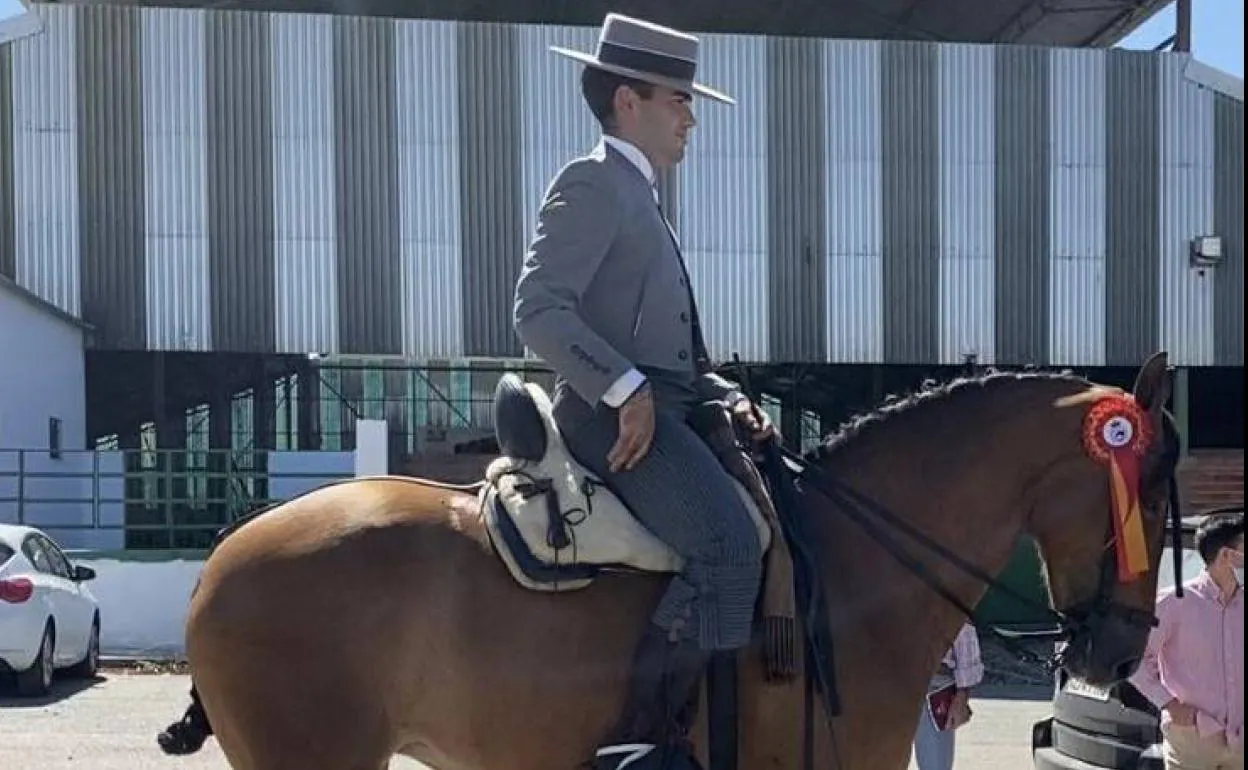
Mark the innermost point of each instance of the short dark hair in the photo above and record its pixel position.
(1218, 531)
(599, 87)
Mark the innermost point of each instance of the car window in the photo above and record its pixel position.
(38, 557)
(60, 564)
(6, 553)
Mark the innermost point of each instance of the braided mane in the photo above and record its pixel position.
(931, 392)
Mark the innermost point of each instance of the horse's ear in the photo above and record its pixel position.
(1153, 383)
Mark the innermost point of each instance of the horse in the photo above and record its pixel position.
(374, 617)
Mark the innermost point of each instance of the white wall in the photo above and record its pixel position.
(143, 605)
(42, 375)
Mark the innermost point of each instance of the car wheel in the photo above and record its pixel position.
(36, 681)
(89, 666)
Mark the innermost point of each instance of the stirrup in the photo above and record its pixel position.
(635, 751)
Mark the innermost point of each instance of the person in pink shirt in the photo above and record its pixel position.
(1193, 667)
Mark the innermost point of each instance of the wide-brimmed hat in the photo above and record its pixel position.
(648, 52)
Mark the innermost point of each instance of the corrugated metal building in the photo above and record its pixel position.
(233, 181)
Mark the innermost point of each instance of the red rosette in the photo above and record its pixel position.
(1117, 433)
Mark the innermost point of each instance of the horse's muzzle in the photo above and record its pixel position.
(1105, 651)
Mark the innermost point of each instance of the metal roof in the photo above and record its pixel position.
(1075, 23)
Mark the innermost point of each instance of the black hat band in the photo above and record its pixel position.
(645, 61)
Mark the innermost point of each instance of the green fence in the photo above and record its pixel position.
(153, 498)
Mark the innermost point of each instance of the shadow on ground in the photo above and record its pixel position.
(1014, 692)
(62, 689)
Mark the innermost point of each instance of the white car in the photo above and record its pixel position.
(49, 620)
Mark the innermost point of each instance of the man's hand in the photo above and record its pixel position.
(636, 430)
(1181, 714)
(755, 420)
(960, 710)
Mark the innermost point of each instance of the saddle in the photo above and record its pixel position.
(557, 526)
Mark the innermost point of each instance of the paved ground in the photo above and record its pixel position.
(110, 725)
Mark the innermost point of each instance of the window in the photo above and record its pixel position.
(54, 438)
(60, 564)
(38, 557)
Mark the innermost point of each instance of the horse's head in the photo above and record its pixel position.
(1100, 550)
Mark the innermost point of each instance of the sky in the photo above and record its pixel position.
(1217, 33)
(14, 21)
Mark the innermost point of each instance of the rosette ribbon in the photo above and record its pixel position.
(1116, 433)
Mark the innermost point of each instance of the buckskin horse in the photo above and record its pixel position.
(397, 616)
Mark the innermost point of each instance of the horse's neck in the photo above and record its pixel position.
(967, 492)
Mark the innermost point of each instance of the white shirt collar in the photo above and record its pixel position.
(630, 151)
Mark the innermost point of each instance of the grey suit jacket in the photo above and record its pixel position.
(604, 288)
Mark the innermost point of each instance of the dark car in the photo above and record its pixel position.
(1114, 728)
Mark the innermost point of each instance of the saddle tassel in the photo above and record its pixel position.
(779, 610)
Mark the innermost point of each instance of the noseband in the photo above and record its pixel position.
(1087, 616)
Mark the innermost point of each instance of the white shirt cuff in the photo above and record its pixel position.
(619, 392)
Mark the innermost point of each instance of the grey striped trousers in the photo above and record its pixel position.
(683, 494)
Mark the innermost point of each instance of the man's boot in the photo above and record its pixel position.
(647, 736)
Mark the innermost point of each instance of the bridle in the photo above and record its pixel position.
(1070, 622)
(873, 517)
(787, 472)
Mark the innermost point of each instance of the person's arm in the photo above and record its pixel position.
(575, 227)
(1147, 677)
(968, 671)
(968, 668)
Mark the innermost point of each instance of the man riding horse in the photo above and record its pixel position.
(605, 299)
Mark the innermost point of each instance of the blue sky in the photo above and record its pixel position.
(1217, 33)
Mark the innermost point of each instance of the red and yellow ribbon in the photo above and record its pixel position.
(1117, 432)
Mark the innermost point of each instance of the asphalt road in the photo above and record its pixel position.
(110, 724)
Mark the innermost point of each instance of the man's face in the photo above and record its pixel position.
(659, 125)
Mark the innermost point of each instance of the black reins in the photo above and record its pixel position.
(786, 471)
(868, 514)
(1070, 621)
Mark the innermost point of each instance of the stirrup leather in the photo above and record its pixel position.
(636, 752)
